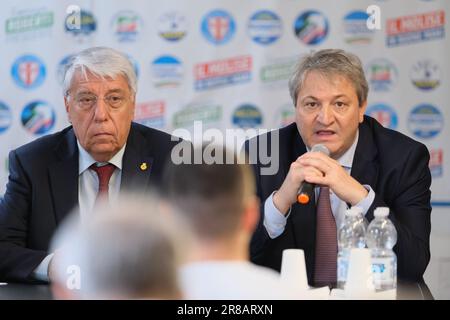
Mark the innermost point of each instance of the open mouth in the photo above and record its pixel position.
(325, 133)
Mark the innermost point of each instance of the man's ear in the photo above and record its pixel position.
(362, 111)
(67, 106)
(251, 215)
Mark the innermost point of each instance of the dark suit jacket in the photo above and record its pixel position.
(43, 188)
(395, 166)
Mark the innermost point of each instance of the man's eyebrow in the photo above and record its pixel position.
(309, 97)
(118, 90)
(340, 96)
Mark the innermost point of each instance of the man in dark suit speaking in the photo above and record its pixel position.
(101, 154)
(369, 166)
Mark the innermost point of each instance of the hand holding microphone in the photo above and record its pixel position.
(306, 190)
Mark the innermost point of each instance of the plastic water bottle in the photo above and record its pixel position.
(351, 235)
(381, 237)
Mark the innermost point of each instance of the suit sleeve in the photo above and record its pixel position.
(410, 212)
(16, 261)
(260, 238)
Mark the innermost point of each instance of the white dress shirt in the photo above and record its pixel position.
(275, 221)
(87, 193)
(235, 280)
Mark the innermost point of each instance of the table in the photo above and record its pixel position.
(16, 291)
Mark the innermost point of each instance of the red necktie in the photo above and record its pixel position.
(104, 173)
(326, 242)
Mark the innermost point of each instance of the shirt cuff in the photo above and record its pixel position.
(365, 203)
(41, 272)
(274, 220)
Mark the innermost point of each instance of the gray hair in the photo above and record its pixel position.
(330, 62)
(126, 251)
(103, 62)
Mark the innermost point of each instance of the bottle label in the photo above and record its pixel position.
(342, 268)
(383, 271)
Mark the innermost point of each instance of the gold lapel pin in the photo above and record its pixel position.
(143, 166)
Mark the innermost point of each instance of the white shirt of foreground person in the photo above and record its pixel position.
(87, 193)
(231, 280)
(275, 221)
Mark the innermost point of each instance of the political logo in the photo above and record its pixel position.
(265, 27)
(311, 27)
(247, 116)
(167, 71)
(5, 117)
(126, 26)
(28, 71)
(425, 75)
(381, 74)
(384, 114)
(218, 27)
(172, 26)
(355, 28)
(425, 121)
(38, 117)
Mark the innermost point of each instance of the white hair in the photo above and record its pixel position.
(103, 62)
(126, 251)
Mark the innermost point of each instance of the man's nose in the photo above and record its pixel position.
(100, 110)
(326, 115)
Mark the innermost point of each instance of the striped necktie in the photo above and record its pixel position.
(325, 267)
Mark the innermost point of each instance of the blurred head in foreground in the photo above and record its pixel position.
(217, 200)
(128, 251)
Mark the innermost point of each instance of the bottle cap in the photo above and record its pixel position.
(382, 212)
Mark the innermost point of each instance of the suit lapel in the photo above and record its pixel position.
(63, 176)
(365, 167)
(137, 163)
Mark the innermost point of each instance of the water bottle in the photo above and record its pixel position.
(381, 237)
(351, 235)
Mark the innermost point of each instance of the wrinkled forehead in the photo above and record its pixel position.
(323, 78)
(84, 78)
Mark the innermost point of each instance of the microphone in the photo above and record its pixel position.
(306, 190)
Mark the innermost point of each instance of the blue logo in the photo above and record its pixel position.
(425, 121)
(28, 71)
(425, 75)
(381, 74)
(61, 69)
(247, 116)
(167, 71)
(355, 28)
(126, 26)
(311, 27)
(218, 27)
(265, 27)
(172, 26)
(5, 117)
(384, 114)
(38, 117)
(80, 26)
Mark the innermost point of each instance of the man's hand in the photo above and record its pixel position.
(287, 194)
(334, 176)
(318, 168)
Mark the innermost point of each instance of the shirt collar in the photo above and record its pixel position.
(346, 159)
(86, 160)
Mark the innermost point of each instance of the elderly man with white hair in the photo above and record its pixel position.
(100, 155)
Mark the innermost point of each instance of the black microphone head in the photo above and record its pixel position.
(320, 148)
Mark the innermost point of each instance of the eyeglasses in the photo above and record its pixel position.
(88, 101)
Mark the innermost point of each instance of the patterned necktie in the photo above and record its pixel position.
(104, 173)
(326, 242)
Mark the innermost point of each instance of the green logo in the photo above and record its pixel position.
(29, 22)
